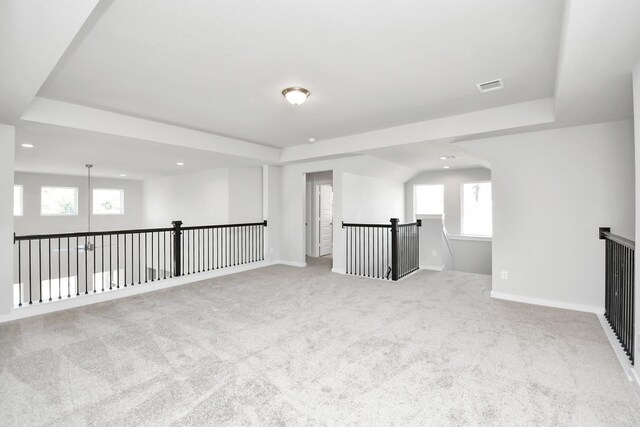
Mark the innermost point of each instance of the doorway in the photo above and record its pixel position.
(319, 214)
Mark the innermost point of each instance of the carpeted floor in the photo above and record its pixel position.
(292, 346)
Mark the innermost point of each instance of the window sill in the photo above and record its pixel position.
(470, 238)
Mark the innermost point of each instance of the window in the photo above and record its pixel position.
(17, 200)
(108, 201)
(476, 209)
(429, 199)
(59, 201)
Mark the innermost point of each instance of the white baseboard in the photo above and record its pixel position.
(617, 349)
(291, 263)
(547, 303)
(91, 298)
(432, 267)
(339, 271)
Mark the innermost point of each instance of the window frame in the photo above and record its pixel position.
(462, 233)
(21, 187)
(120, 190)
(77, 206)
(415, 198)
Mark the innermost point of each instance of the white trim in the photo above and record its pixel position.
(617, 349)
(547, 303)
(470, 237)
(432, 267)
(291, 263)
(91, 298)
(339, 271)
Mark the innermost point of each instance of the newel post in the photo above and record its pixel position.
(394, 248)
(177, 256)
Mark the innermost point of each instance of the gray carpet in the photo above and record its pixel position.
(290, 346)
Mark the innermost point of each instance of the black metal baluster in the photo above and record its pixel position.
(77, 266)
(86, 267)
(124, 246)
(164, 253)
(146, 259)
(158, 269)
(68, 267)
(50, 299)
(95, 249)
(153, 272)
(19, 275)
(102, 256)
(182, 253)
(40, 266)
(30, 282)
(59, 270)
(110, 262)
(171, 255)
(133, 261)
(117, 261)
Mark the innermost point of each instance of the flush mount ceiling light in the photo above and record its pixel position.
(295, 95)
(446, 167)
(27, 145)
(447, 157)
(312, 140)
(123, 175)
(180, 164)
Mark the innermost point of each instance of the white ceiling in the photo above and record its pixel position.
(61, 150)
(426, 156)
(220, 66)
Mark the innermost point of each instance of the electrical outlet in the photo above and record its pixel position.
(504, 275)
(434, 253)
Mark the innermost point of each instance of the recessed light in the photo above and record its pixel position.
(180, 164)
(27, 145)
(296, 95)
(446, 167)
(312, 140)
(447, 157)
(123, 175)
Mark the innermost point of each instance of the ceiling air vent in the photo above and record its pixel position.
(489, 86)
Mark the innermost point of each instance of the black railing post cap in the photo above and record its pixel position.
(176, 223)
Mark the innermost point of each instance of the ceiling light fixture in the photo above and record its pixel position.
(447, 157)
(295, 95)
(123, 175)
(312, 140)
(27, 145)
(180, 164)
(446, 167)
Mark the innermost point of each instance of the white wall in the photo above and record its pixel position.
(367, 199)
(31, 222)
(216, 196)
(272, 210)
(551, 191)
(7, 147)
(245, 195)
(636, 115)
(471, 255)
(195, 199)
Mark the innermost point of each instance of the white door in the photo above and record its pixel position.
(325, 219)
